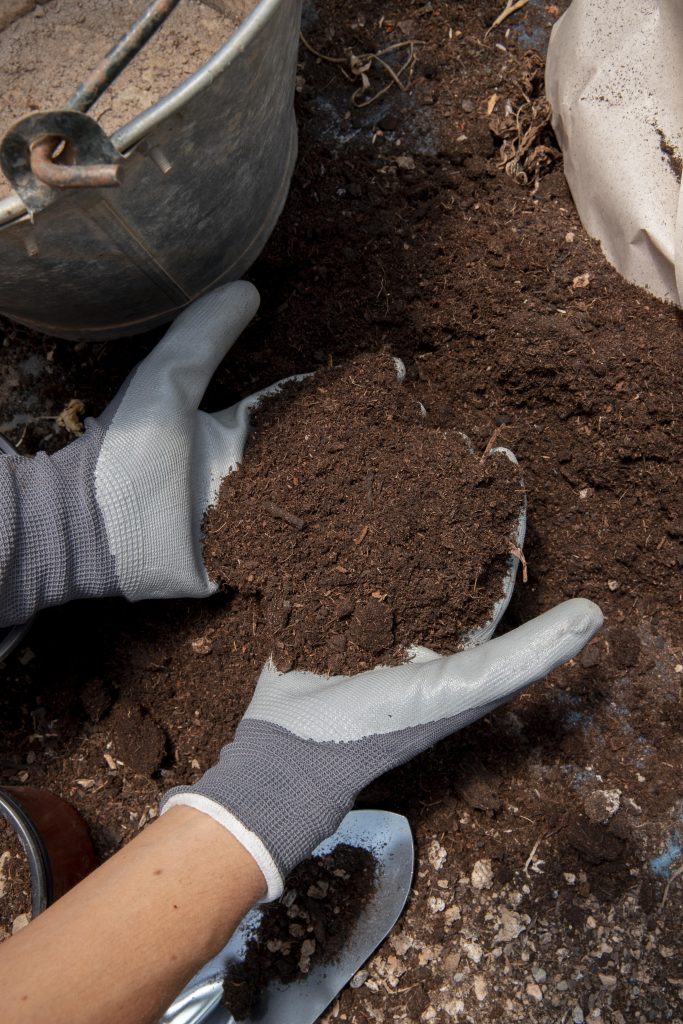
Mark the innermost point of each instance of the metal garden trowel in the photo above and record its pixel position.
(388, 837)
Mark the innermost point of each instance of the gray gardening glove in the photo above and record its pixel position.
(119, 511)
(308, 744)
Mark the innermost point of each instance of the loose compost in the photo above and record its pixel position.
(351, 521)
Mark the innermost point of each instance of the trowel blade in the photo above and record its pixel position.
(388, 837)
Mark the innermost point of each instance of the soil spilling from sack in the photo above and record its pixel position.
(15, 883)
(360, 526)
(53, 44)
(310, 924)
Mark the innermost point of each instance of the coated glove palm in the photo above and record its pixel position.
(308, 744)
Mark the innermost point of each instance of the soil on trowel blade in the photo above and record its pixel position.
(360, 526)
(49, 46)
(15, 882)
(311, 924)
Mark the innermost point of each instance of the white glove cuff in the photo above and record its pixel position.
(251, 842)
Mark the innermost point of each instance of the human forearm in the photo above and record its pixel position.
(120, 946)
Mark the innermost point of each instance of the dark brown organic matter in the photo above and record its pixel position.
(360, 525)
(310, 924)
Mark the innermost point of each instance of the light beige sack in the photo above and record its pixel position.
(614, 77)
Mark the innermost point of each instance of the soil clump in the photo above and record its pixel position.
(309, 925)
(71, 36)
(15, 882)
(351, 520)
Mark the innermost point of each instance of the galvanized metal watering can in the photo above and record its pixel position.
(181, 199)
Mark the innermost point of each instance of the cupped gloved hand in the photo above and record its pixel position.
(119, 511)
(308, 744)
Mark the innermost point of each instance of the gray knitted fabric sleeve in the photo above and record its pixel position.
(293, 793)
(53, 545)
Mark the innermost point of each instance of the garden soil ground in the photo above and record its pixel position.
(548, 835)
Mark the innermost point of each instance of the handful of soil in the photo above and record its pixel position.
(15, 882)
(361, 527)
(310, 924)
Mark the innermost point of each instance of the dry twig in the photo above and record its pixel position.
(518, 553)
(287, 517)
(677, 873)
(511, 8)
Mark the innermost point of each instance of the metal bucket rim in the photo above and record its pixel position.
(12, 208)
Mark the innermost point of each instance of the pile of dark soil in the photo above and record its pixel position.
(546, 833)
(352, 519)
(15, 881)
(309, 925)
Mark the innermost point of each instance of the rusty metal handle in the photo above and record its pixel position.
(121, 54)
(58, 175)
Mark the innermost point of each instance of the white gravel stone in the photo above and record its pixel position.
(482, 875)
(19, 922)
(472, 950)
(480, 987)
(437, 855)
(511, 925)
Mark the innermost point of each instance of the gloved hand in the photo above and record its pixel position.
(308, 744)
(119, 511)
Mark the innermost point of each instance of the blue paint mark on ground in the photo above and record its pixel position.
(661, 866)
(532, 29)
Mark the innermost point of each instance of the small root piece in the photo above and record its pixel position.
(491, 443)
(511, 8)
(357, 68)
(518, 553)
(362, 534)
(677, 873)
(287, 517)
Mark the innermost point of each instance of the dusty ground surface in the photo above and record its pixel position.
(350, 520)
(548, 835)
(71, 36)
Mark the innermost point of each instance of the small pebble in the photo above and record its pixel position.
(482, 875)
(480, 988)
